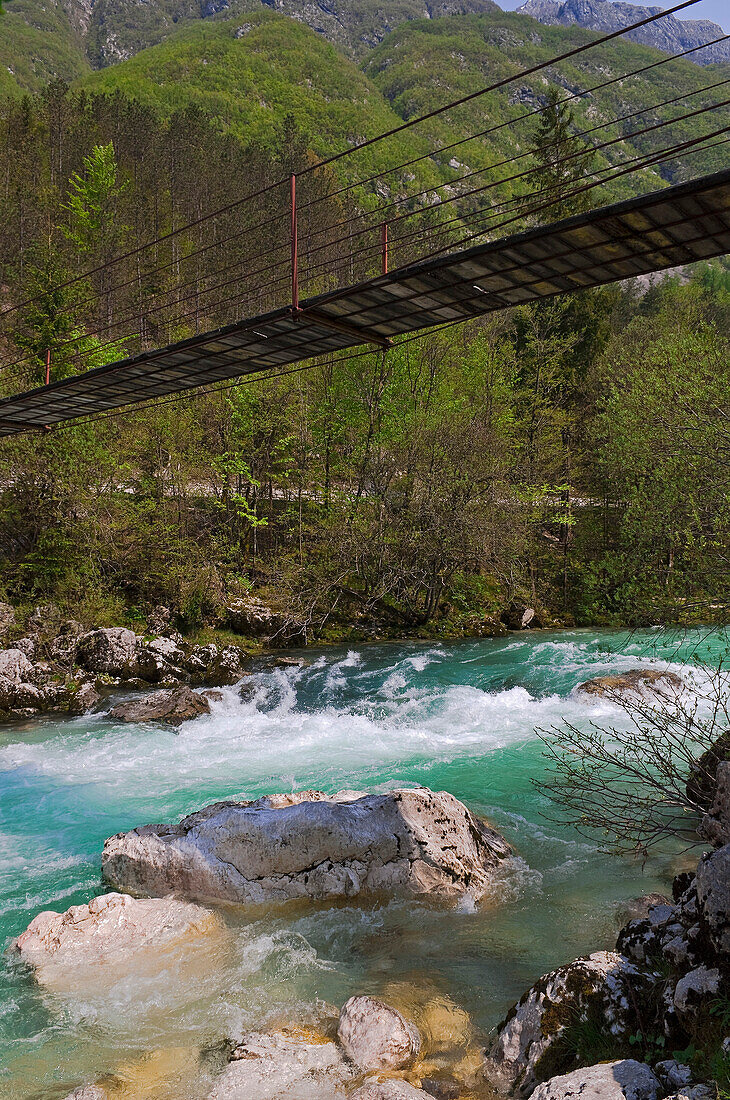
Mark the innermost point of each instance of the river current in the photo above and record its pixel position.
(458, 717)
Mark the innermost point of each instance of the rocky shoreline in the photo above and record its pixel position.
(54, 665)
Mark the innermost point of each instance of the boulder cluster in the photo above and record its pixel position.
(61, 666)
(663, 996)
(410, 842)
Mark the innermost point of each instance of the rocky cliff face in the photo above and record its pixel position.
(669, 34)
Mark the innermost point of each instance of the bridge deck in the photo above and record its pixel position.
(678, 225)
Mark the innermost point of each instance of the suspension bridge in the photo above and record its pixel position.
(451, 283)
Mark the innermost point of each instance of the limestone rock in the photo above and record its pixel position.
(518, 616)
(59, 945)
(713, 896)
(638, 681)
(159, 659)
(625, 1080)
(16, 666)
(715, 825)
(291, 1063)
(251, 616)
(172, 707)
(84, 700)
(694, 988)
(311, 845)
(390, 1089)
(375, 1036)
(601, 986)
(110, 649)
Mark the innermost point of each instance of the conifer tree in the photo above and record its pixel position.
(563, 161)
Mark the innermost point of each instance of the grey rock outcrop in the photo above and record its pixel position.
(110, 650)
(623, 1080)
(60, 947)
(527, 1048)
(637, 681)
(172, 707)
(376, 1036)
(292, 1063)
(712, 884)
(249, 615)
(670, 34)
(312, 845)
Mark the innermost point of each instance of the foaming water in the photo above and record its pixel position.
(460, 718)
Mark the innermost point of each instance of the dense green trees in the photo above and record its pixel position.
(573, 452)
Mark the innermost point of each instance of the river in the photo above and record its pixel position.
(460, 717)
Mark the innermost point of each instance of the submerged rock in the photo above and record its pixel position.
(603, 988)
(172, 707)
(60, 946)
(294, 1063)
(312, 845)
(637, 681)
(624, 1080)
(375, 1036)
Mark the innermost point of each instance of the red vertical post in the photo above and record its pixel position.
(294, 247)
(48, 366)
(384, 244)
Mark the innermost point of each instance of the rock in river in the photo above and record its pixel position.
(64, 947)
(291, 1062)
(172, 707)
(602, 987)
(375, 1036)
(312, 845)
(638, 681)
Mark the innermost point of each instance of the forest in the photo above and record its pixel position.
(560, 454)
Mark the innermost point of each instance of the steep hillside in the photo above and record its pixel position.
(670, 34)
(41, 40)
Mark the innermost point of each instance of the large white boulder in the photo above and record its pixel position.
(311, 845)
(625, 1080)
(64, 949)
(376, 1036)
(602, 987)
(291, 1063)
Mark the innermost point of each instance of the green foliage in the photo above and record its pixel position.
(92, 206)
(563, 161)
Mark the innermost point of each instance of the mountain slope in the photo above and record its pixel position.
(670, 34)
(40, 41)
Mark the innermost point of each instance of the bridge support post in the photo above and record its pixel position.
(48, 366)
(294, 247)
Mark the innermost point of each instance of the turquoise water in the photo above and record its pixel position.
(459, 717)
